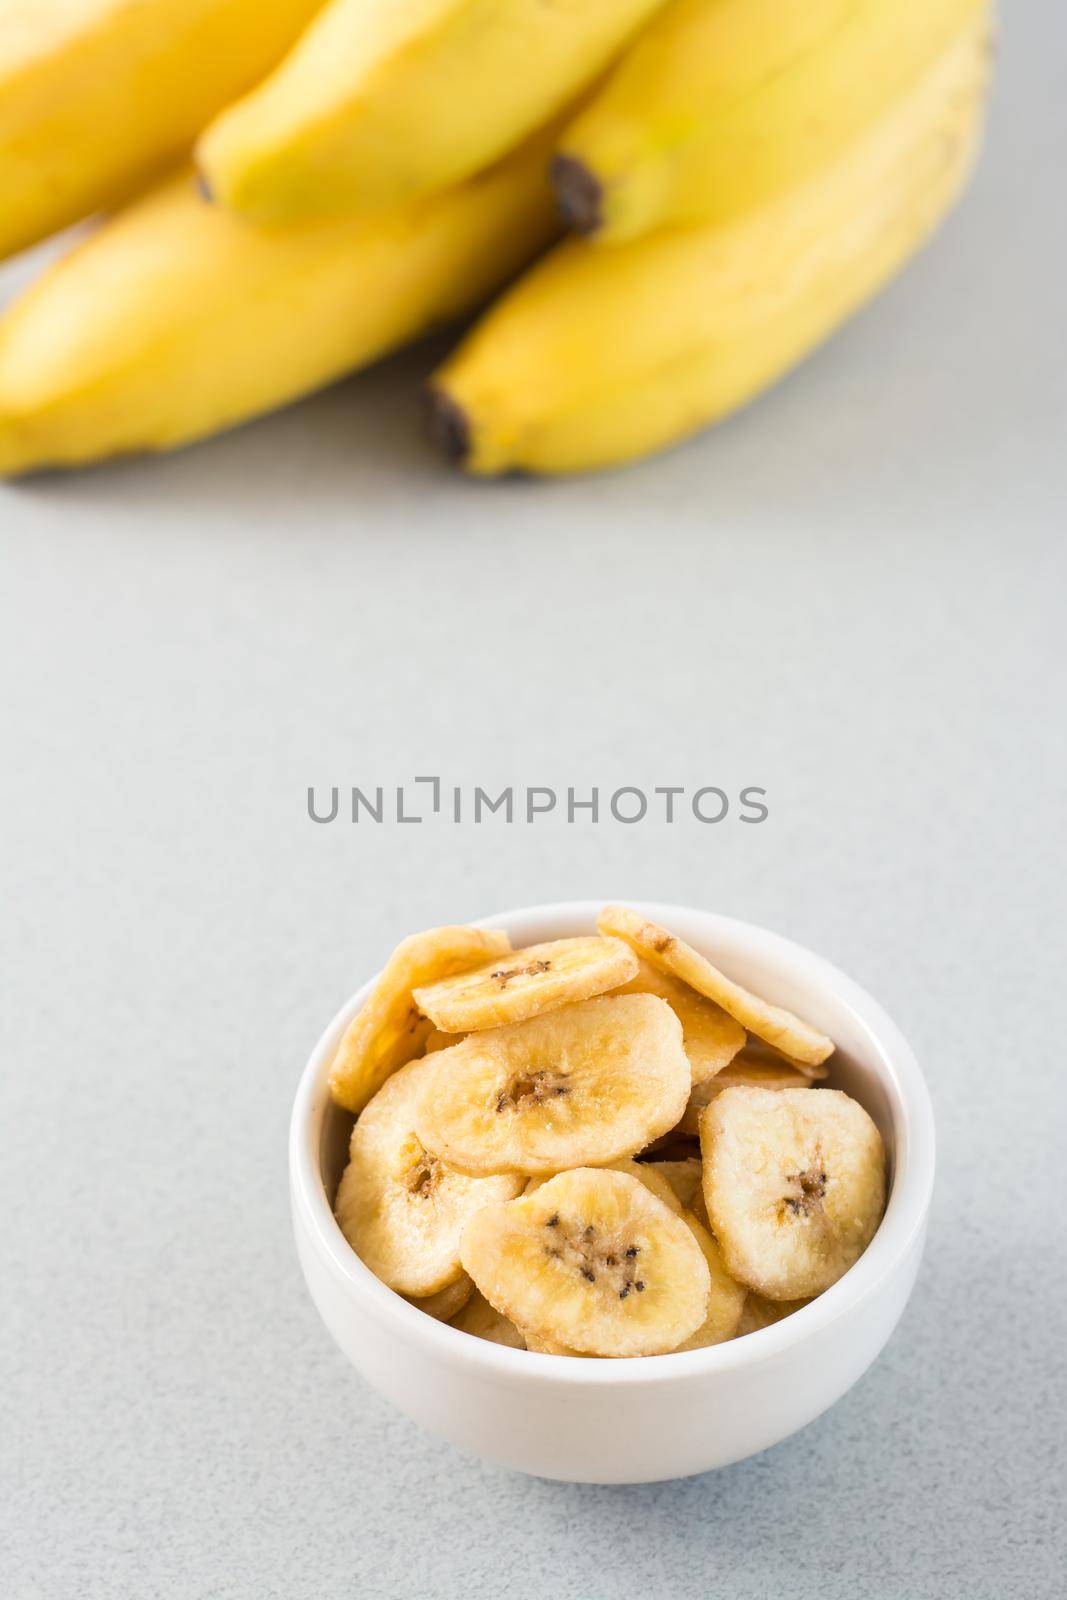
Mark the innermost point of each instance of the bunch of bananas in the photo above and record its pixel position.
(292, 189)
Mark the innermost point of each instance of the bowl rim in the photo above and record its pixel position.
(914, 1160)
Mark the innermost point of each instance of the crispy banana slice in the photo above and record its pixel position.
(772, 1023)
(726, 1302)
(388, 1031)
(794, 1182)
(683, 1178)
(582, 1086)
(750, 1074)
(401, 1209)
(751, 1070)
(445, 1304)
(482, 1321)
(436, 1040)
(540, 978)
(591, 1261)
(549, 1347)
(712, 1037)
(758, 1053)
(644, 1171)
(760, 1313)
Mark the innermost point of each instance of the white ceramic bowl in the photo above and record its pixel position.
(634, 1421)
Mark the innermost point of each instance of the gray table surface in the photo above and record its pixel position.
(852, 596)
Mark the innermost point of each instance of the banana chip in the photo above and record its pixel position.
(682, 1177)
(593, 1262)
(644, 1171)
(760, 1313)
(479, 1319)
(582, 1086)
(445, 1304)
(549, 1347)
(531, 981)
(436, 1040)
(400, 1208)
(758, 1053)
(726, 1300)
(388, 1031)
(712, 1037)
(751, 1074)
(794, 1182)
(772, 1023)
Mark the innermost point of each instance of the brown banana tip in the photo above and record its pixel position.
(579, 194)
(203, 188)
(447, 425)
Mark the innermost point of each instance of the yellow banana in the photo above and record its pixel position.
(176, 320)
(383, 100)
(721, 103)
(97, 95)
(599, 356)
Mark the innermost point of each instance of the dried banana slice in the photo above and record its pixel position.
(760, 1313)
(683, 1178)
(758, 1052)
(644, 1172)
(531, 981)
(751, 1074)
(794, 1182)
(764, 1067)
(482, 1321)
(772, 1023)
(549, 1347)
(712, 1037)
(436, 1040)
(591, 1261)
(445, 1304)
(401, 1209)
(389, 1031)
(582, 1086)
(726, 1302)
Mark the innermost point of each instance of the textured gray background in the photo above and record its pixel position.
(852, 595)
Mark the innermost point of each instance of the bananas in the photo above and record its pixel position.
(794, 1182)
(581, 1086)
(400, 1209)
(492, 1179)
(389, 1031)
(600, 356)
(176, 320)
(385, 100)
(530, 981)
(749, 172)
(592, 1262)
(721, 104)
(97, 96)
(672, 955)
